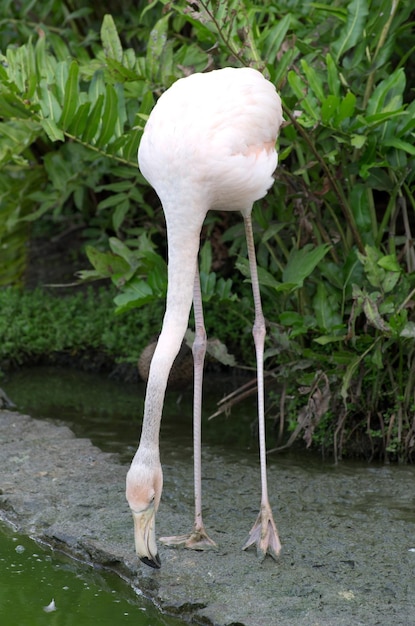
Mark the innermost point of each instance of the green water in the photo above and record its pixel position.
(32, 576)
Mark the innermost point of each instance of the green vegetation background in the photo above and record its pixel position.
(334, 237)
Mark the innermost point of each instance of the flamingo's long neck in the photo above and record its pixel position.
(183, 250)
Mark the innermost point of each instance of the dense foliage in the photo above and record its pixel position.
(334, 238)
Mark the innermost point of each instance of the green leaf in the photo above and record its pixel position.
(329, 108)
(70, 103)
(400, 144)
(301, 263)
(119, 214)
(305, 98)
(358, 141)
(352, 32)
(109, 116)
(137, 293)
(48, 102)
(156, 46)
(314, 80)
(12, 106)
(275, 37)
(333, 75)
(206, 257)
(110, 39)
(94, 120)
(79, 121)
(347, 107)
(106, 263)
(390, 263)
(326, 308)
(388, 95)
(265, 278)
(51, 129)
(119, 248)
(371, 310)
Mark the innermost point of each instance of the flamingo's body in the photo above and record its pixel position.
(209, 143)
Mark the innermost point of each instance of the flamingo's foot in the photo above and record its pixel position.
(198, 539)
(264, 535)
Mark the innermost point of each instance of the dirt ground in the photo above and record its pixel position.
(348, 534)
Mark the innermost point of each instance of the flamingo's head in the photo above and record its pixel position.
(143, 492)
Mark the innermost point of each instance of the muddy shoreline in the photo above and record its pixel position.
(348, 533)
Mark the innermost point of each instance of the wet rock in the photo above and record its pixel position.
(347, 532)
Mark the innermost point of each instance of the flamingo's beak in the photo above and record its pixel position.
(145, 536)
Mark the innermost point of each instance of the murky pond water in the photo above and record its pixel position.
(39, 587)
(348, 532)
(109, 412)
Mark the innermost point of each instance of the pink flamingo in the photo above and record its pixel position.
(209, 143)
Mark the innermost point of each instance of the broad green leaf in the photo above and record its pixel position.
(206, 257)
(359, 202)
(390, 263)
(305, 99)
(156, 46)
(119, 214)
(109, 116)
(48, 102)
(329, 108)
(326, 309)
(79, 120)
(352, 32)
(71, 98)
(271, 231)
(12, 106)
(390, 281)
(61, 78)
(119, 248)
(371, 310)
(297, 85)
(112, 200)
(302, 262)
(333, 75)
(400, 144)
(375, 274)
(137, 293)
(15, 136)
(51, 129)
(106, 263)
(110, 39)
(275, 37)
(347, 107)
(387, 96)
(279, 73)
(265, 278)
(94, 120)
(358, 141)
(314, 80)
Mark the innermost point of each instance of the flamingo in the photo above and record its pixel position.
(208, 144)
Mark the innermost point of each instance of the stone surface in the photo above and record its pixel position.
(348, 533)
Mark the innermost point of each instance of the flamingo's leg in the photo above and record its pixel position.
(264, 534)
(198, 539)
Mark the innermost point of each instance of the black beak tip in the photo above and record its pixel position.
(155, 563)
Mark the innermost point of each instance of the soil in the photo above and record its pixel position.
(348, 533)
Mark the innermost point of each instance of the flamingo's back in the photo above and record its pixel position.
(212, 137)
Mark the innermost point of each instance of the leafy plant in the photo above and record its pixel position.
(334, 237)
